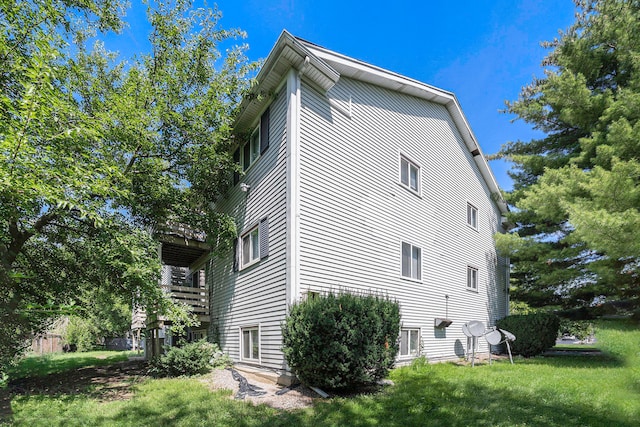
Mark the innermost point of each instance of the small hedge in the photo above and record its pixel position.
(342, 341)
(534, 332)
(580, 329)
(191, 359)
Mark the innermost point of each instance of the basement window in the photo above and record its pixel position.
(250, 344)
(409, 342)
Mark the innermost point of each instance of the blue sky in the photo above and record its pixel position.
(483, 51)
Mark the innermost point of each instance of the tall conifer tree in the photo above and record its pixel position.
(576, 194)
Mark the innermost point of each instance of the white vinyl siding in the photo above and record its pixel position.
(257, 294)
(354, 216)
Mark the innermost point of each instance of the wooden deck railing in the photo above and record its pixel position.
(196, 298)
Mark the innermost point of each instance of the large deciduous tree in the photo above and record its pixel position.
(576, 195)
(96, 152)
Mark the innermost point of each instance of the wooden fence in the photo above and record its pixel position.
(47, 343)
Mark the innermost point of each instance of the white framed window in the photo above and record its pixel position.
(250, 242)
(472, 278)
(472, 216)
(251, 149)
(258, 143)
(411, 261)
(409, 342)
(409, 174)
(252, 245)
(250, 343)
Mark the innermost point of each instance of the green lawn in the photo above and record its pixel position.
(542, 391)
(59, 362)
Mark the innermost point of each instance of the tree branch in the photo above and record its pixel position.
(19, 238)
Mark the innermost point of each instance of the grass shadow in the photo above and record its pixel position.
(428, 399)
(587, 361)
(35, 366)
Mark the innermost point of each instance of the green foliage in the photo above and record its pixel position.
(341, 341)
(578, 328)
(576, 190)
(534, 332)
(98, 317)
(520, 307)
(82, 333)
(190, 359)
(97, 153)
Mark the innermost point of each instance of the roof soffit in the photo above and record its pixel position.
(287, 53)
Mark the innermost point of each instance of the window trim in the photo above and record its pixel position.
(256, 146)
(410, 162)
(470, 278)
(472, 208)
(411, 246)
(417, 350)
(252, 149)
(242, 329)
(261, 239)
(256, 257)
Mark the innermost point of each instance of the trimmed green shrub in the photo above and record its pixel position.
(342, 341)
(534, 332)
(191, 359)
(581, 329)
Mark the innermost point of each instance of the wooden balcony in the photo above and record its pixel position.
(196, 298)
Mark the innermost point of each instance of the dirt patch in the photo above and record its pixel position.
(111, 382)
(104, 383)
(116, 382)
